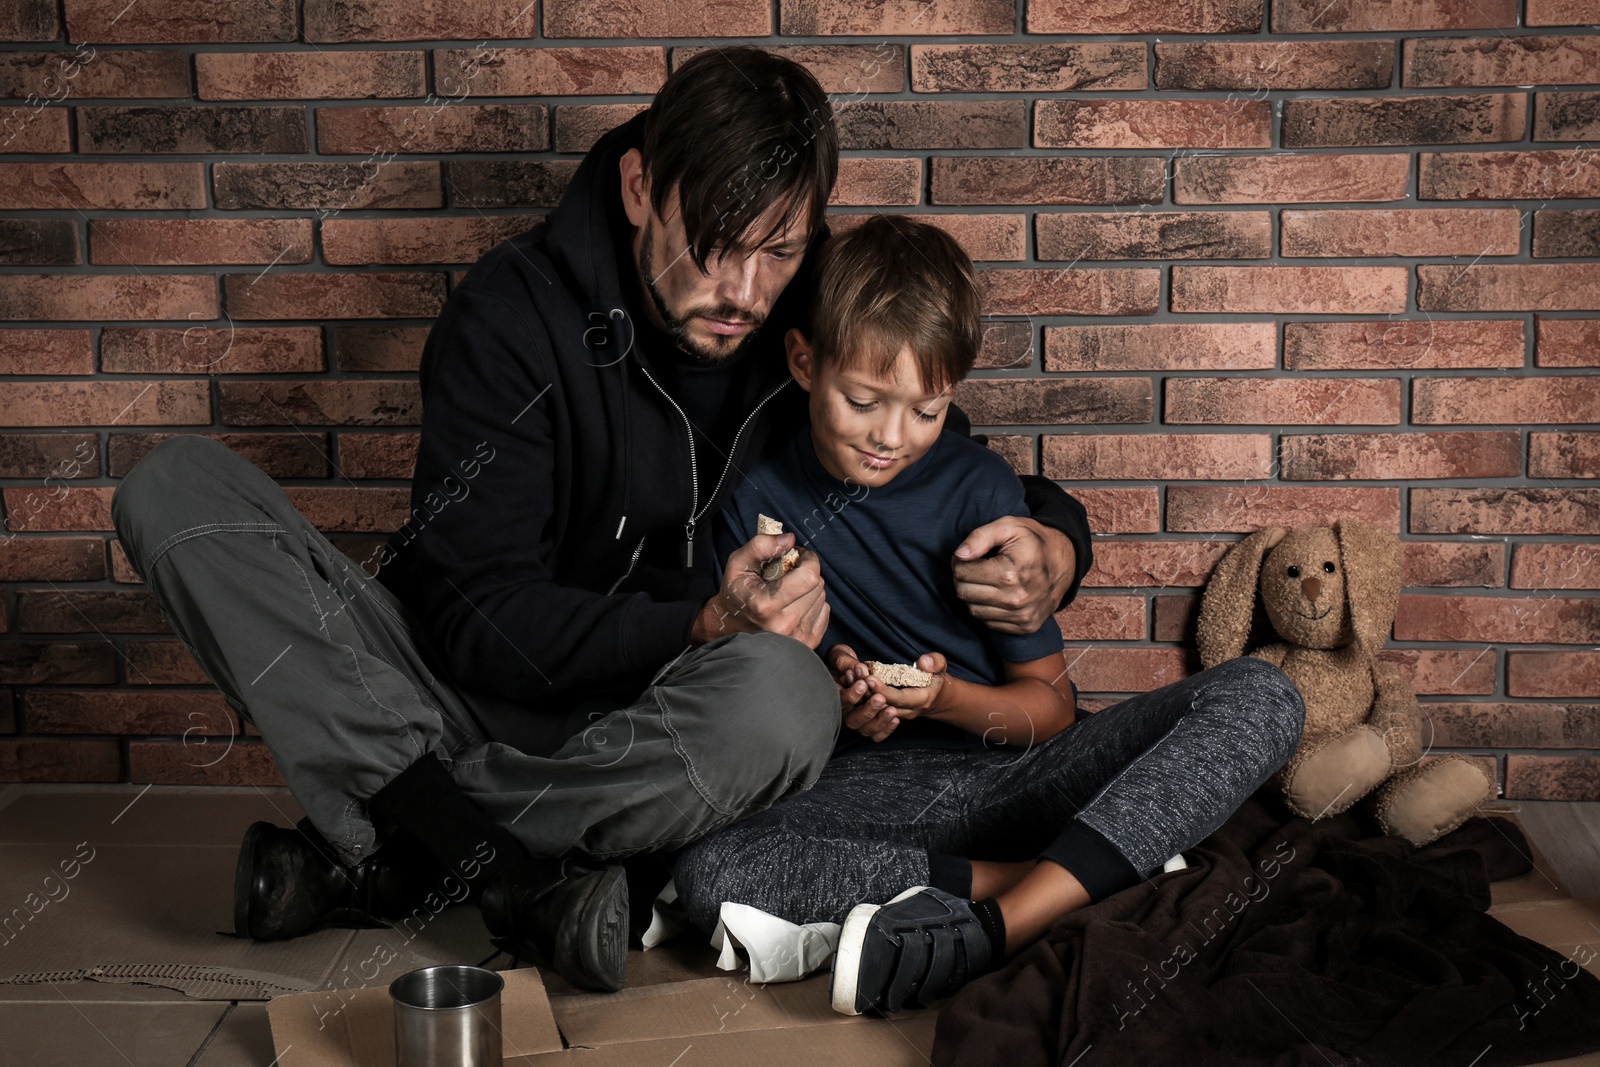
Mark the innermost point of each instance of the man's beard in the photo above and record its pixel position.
(678, 328)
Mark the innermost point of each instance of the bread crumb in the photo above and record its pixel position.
(899, 675)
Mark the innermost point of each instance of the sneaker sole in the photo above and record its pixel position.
(602, 956)
(844, 984)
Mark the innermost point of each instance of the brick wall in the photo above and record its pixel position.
(1242, 266)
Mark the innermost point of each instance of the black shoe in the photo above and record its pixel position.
(920, 947)
(577, 925)
(290, 882)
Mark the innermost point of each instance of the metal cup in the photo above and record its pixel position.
(447, 1016)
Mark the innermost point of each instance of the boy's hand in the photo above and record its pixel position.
(863, 710)
(905, 703)
(793, 605)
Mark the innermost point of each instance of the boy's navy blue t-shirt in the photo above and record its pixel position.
(886, 552)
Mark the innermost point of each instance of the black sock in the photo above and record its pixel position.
(994, 924)
(424, 805)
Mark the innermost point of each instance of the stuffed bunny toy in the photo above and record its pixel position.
(1331, 597)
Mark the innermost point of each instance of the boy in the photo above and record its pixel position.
(963, 787)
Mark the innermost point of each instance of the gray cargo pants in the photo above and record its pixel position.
(340, 680)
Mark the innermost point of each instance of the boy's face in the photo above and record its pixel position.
(867, 429)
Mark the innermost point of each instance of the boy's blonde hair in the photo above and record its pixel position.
(893, 282)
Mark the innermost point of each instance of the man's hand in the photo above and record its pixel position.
(793, 605)
(1018, 588)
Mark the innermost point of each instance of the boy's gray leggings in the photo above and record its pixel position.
(338, 677)
(1111, 798)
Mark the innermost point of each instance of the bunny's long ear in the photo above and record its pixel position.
(1371, 558)
(1227, 610)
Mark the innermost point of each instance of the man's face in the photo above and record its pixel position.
(709, 316)
(867, 429)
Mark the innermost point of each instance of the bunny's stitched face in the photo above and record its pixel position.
(1303, 589)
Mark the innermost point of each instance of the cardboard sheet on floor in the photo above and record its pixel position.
(1541, 883)
(59, 1034)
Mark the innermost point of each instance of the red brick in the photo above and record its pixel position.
(1154, 457)
(330, 186)
(368, 295)
(378, 455)
(805, 18)
(1070, 291)
(1444, 672)
(1121, 511)
(1570, 565)
(1103, 618)
(1380, 456)
(1404, 232)
(1153, 564)
(1563, 233)
(1552, 777)
(517, 183)
(40, 759)
(1154, 235)
(1109, 669)
(1567, 342)
(1017, 449)
(1283, 401)
(981, 68)
(1404, 120)
(182, 128)
(186, 714)
(1545, 175)
(409, 241)
(52, 559)
(275, 402)
(57, 663)
(1162, 346)
(1538, 287)
(1244, 508)
(161, 663)
(103, 297)
(102, 403)
(1233, 123)
(32, 509)
(1006, 343)
(1505, 511)
(35, 130)
(918, 124)
(983, 237)
(71, 611)
(512, 71)
(1564, 455)
(1048, 180)
(1562, 12)
(299, 454)
(49, 455)
(1498, 619)
(1390, 345)
(1175, 618)
(1542, 59)
(1502, 401)
(208, 350)
(39, 243)
(1291, 290)
(1452, 563)
(851, 69)
(579, 126)
(434, 128)
(378, 20)
(1284, 64)
(196, 21)
(379, 348)
(315, 75)
(661, 18)
(133, 186)
(1566, 116)
(1290, 179)
(1010, 402)
(351, 510)
(175, 763)
(167, 242)
(121, 567)
(1355, 16)
(46, 352)
(877, 181)
(30, 20)
(1553, 674)
(1144, 16)
(1486, 725)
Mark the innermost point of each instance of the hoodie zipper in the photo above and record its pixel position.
(695, 511)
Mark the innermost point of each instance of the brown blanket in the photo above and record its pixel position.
(1290, 943)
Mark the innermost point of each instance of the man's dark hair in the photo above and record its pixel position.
(738, 130)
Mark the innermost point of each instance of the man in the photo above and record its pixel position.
(546, 678)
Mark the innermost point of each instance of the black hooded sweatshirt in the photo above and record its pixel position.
(558, 547)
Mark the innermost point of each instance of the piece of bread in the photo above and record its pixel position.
(899, 675)
(776, 568)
